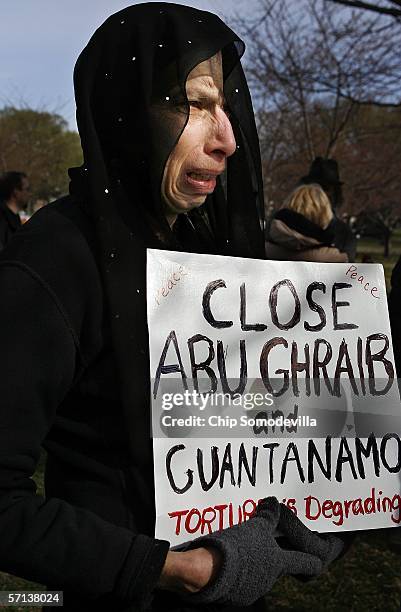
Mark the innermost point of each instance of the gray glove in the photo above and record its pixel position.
(253, 559)
(296, 536)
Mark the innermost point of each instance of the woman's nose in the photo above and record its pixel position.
(223, 139)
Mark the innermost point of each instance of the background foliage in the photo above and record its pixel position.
(38, 143)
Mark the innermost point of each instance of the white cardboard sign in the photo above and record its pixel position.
(302, 353)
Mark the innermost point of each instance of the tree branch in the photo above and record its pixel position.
(367, 6)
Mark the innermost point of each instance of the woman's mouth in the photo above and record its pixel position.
(201, 181)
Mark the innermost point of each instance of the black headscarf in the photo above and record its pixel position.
(131, 110)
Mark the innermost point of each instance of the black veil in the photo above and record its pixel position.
(129, 82)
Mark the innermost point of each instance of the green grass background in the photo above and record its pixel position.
(375, 248)
(367, 578)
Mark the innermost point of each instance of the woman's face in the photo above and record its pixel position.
(207, 140)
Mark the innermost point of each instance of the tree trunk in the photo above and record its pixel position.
(387, 237)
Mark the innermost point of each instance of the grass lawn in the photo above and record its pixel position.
(372, 247)
(368, 578)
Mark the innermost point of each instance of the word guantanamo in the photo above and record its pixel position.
(263, 465)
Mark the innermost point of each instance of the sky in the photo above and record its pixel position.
(40, 41)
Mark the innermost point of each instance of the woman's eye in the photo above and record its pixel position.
(196, 103)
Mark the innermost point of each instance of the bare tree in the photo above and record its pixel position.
(373, 154)
(313, 66)
(390, 8)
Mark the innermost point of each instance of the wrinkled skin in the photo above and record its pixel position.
(206, 142)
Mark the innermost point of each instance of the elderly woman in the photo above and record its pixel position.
(165, 167)
(302, 229)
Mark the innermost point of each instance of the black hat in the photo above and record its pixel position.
(324, 172)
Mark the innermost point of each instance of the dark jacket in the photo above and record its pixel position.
(9, 223)
(344, 238)
(59, 388)
(92, 537)
(394, 307)
(292, 237)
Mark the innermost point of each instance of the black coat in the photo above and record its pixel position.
(9, 223)
(58, 388)
(344, 238)
(394, 307)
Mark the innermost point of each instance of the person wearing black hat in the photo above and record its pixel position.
(325, 173)
(164, 167)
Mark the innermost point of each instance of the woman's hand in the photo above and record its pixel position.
(190, 571)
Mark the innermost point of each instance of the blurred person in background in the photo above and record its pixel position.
(14, 198)
(302, 230)
(325, 173)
